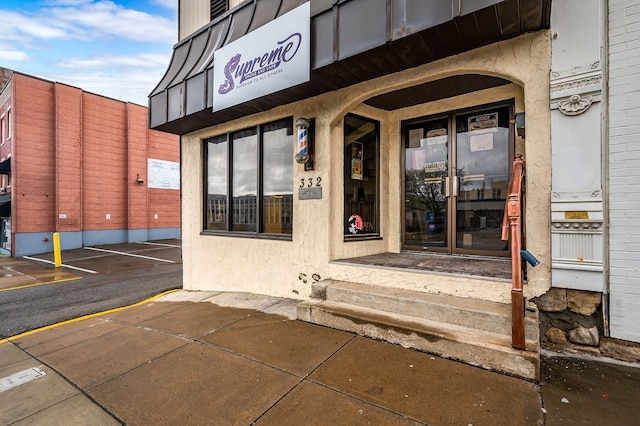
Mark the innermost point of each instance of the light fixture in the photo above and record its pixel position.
(304, 145)
(139, 179)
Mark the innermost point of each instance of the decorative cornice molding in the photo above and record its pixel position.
(592, 80)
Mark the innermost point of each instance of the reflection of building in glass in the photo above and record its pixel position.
(244, 210)
(277, 211)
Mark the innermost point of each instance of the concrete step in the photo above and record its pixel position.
(473, 313)
(401, 317)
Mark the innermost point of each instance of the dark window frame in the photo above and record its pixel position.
(259, 231)
(376, 233)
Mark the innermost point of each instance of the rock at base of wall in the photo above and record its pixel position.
(583, 302)
(554, 300)
(556, 336)
(585, 336)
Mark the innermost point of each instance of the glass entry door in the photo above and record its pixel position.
(426, 176)
(456, 177)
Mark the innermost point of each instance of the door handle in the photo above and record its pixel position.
(449, 189)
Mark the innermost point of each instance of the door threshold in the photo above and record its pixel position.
(438, 263)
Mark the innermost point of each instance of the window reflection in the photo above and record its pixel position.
(277, 188)
(217, 183)
(244, 184)
(260, 192)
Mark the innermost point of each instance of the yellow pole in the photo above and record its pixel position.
(57, 256)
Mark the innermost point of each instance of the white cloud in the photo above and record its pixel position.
(86, 19)
(142, 60)
(99, 46)
(169, 4)
(131, 86)
(16, 26)
(109, 19)
(13, 55)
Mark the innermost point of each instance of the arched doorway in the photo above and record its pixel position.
(455, 162)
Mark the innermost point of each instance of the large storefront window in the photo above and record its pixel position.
(251, 170)
(361, 176)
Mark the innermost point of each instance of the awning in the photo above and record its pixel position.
(5, 166)
(351, 41)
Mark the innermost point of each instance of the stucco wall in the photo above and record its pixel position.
(275, 267)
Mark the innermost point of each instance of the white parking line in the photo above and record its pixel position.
(129, 254)
(159, 244)
(66, 266)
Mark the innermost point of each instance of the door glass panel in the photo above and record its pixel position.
(482, 155)
(426, 167)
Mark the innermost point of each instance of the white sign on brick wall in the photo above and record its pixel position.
(163, 174)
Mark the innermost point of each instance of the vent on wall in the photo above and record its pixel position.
(218, 7)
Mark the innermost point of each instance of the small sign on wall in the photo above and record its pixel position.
(163, 174)
(313, 193)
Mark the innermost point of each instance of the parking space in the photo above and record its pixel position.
(76, 263)
(22, 273)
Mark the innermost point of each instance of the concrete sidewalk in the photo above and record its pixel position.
(195, 358)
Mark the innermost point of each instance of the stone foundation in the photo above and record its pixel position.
(571, 321)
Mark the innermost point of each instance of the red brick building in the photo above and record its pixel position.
(83, 165)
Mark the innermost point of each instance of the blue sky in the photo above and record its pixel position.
(118, 48)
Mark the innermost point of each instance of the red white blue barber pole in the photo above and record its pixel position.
(302, 152)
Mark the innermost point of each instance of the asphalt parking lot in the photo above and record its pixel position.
(34, 293)
(116, 257)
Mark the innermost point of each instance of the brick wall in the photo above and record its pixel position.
(104, 163)
(162, 200)
(5, 75)
(77, 158)
(624, 168)
(33, 170)
(137, 166)
(6, 100)
(68, 158)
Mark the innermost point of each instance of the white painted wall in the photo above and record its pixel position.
(624, 169)
(577, 217)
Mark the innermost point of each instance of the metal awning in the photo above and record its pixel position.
(351, 41)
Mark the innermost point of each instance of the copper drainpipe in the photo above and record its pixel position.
(511, 229)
